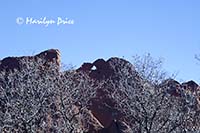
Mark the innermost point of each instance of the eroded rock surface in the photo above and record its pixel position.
(11, 63)
(103, 107)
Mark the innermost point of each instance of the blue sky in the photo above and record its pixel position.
(104, 28)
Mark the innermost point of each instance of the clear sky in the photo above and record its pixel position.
(106, 28)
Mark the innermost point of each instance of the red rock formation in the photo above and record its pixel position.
(11, 63)
(102, 71)
(103, 106)
(86, 67)
(50, 55)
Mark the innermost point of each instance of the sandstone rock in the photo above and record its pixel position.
(114, 68)
(102, 71)
(11, 63)
(103, 106)
(50, 55)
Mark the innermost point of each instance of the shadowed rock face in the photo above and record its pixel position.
(102, 69)
(114, 68)
(11, 63)
(116, 127)
(190, 85)
(102, 106)
(174, 87)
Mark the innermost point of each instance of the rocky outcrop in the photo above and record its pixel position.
(50, 55)
(174, 88)
(11, 63)
(103, 106)
(103, 114)
(190, 85)
(114, 68)
(102, 69)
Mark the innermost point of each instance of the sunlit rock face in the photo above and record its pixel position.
(50, 55)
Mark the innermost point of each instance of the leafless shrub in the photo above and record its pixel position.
(39, 98)
(146, 104)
